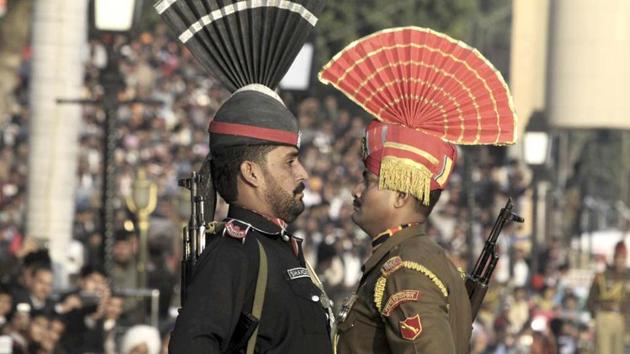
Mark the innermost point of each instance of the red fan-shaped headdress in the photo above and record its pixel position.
(427, 91)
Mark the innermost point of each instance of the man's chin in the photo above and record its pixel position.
(297, 209)
(356, 218)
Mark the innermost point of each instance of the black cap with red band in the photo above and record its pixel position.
(249, 47)
(253, 118)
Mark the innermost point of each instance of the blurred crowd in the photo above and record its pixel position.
(527, 310)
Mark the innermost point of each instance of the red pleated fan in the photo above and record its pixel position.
(427, 81)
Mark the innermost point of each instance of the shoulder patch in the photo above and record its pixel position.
(398, 298)
(411, 327)
(236, 230)
(391, 265)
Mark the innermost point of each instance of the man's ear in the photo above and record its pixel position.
(402, 199)
(251, 173)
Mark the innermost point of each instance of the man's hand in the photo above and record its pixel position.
(70, 303)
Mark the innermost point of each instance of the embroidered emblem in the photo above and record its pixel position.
(411, 327)
(402, 296)
(299, 272)
(235, 230)
(391, 265)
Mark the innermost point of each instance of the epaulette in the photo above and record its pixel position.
(236, 229)
(391, 266)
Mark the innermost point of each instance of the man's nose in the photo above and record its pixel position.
(302, 175)
(357, 190)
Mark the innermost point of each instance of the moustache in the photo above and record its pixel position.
(356, 203)
(300, 188)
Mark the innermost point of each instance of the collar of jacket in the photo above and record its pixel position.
(256, 220)
(381, 251)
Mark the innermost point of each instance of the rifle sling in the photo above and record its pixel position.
(259, 296)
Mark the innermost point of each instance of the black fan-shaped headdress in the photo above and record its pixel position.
(249, 46)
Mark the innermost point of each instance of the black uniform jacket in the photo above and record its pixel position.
(223, 286)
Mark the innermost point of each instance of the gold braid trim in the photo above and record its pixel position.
(422, 269)
(379, 290)
(407, 176)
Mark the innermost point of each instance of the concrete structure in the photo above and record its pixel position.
(59, 31)
(588, 64)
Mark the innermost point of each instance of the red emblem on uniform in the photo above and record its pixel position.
(391, 265)
(400, 297)
(411, 327)
(235, 230)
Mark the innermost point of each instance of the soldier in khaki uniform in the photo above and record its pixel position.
(607, 302)
(411, 298)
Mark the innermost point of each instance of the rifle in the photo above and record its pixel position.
(477, 281)
(203, 202)
(202, 207)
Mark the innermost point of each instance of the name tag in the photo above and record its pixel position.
(299, 272)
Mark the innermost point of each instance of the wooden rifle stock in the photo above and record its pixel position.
(477, 281)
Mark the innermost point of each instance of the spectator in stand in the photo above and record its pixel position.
(141, 339)
(39, 287)
(159, 275)
(43, 334)
(82, 307)
(18, 328)
(6, 305)
(518, 311)
(104, 329)
(19, 283)
(124, 273)
(520, 269)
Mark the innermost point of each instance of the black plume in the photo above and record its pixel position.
(242, 42)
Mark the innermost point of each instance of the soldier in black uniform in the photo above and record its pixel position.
(251, 291)
(293, 320)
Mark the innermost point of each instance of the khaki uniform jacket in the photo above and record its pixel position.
(411, 299)
(609, 291)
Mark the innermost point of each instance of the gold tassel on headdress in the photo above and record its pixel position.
(407, 176)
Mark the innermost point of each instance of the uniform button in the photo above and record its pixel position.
(315, 298)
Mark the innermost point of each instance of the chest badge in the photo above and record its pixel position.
(411, 328)
(296, 273)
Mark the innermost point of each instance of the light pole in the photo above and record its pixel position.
(142, 203)
(111, 18)
(537, 149)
